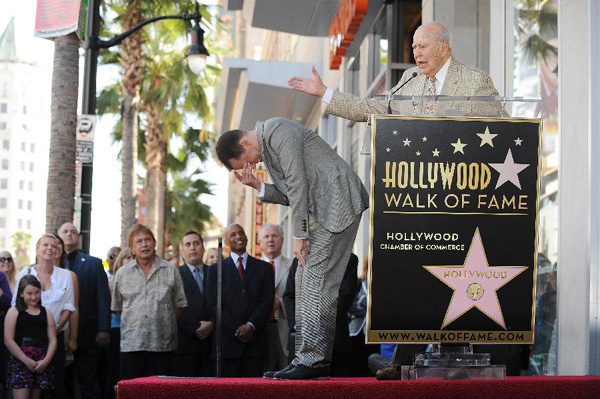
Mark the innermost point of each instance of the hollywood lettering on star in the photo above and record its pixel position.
(453, 229)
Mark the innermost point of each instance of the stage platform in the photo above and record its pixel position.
(585, 387)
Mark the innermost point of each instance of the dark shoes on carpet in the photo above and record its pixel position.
(391, 372)
(301, 372)
(271, 374)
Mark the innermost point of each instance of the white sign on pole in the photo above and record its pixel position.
(86, 125)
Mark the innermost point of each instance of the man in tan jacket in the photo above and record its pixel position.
(436, 73)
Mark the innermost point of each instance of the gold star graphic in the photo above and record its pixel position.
(518, 141)
(487, 137)
(406, 142)
(458, 147)
(436, 153)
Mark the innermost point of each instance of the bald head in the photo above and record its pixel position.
(69, 234)
(431, 47)
(235, 238)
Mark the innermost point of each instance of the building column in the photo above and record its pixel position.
(578, 184)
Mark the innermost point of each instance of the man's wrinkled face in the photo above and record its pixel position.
(429, 54)
(236, 239)
(143, 246)
(192, 249)
(271, 241)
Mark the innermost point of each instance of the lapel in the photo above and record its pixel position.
(451, 82)
(78, 264)
(284, 265)
(275, 173)
(250, 267)
(229, 264)
(418, 88)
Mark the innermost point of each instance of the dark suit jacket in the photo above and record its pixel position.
(345, 299)
(94, 298)
(247, 301)
(189, 320)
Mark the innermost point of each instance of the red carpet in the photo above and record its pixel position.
(587, 387)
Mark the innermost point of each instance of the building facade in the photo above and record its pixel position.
(544, 48)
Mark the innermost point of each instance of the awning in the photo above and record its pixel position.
(253, 91)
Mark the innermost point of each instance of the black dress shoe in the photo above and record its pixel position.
(271, 374)
(301, 372)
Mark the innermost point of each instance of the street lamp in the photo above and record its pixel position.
(196, 58)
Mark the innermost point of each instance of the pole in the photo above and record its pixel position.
(89, 107)
(219, 307)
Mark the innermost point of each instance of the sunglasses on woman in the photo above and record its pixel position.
(4, 259)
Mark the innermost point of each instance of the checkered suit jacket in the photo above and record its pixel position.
(309, 176)
(461, 80)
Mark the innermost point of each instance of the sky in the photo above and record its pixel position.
(106, 208)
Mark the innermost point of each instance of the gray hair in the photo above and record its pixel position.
(438, 31)
(272, 225)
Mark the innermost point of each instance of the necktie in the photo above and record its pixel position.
(198, 278)
(272, 262)
(430, 106)
(240, 268)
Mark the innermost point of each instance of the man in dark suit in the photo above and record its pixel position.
(326, 199)
(248, 296)
(194, 327)
(340, 361)
(93, 308)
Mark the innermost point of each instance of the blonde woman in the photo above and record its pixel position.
(7, 266)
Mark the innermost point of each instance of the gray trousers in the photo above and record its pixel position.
(317, 290)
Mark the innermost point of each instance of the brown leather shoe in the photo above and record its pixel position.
(391, 372)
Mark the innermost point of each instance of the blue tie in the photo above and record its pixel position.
(198, 278)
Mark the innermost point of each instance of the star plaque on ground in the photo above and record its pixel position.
(475, 284)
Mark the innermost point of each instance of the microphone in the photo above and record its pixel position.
(389, 107)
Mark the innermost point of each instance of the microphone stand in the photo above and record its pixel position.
(389, 106)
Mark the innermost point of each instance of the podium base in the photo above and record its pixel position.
(449, 362)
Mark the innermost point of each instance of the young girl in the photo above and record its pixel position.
(30, 337)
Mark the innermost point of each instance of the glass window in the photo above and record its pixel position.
(20, 204)
(5, 164)
(6, 144)
(4, 183)
(2, 125)
(378, 47)
(24, 109)
(28, 224)
(536, 75)
(31, 166)
(3, 108)
(23, 166)
(23, 146)
(2, 222)
(21, 185)
(30, 186)
(20, 223)
(29, 205)
(32, 148)
(3, 203)
(330, 133)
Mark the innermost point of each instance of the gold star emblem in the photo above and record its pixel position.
(518, 141)
(458, 147)
(406, 142)
(424, 139)
(436, 153)
(487, 137)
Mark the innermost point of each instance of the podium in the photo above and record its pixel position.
(453, 229)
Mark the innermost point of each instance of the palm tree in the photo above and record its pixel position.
(60, 193)
(21, 241)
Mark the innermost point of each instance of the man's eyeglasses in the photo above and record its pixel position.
(5, 259)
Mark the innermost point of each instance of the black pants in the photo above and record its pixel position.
(112, 363)
(243, 367)
(197, 364)
(58, 362)
(145, 364)
(85, 368)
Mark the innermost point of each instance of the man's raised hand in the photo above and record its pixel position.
(312, 85)
(247, 178)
